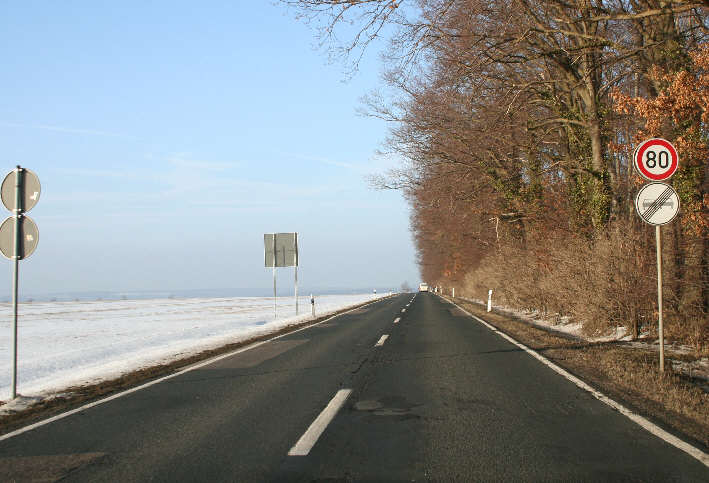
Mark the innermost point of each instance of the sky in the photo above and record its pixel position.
(170, 136)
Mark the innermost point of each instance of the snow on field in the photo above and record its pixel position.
(63, 344)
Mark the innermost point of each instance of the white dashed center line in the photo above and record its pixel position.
(396, 320)
(308, 440)
(382, 339)
(403, 310)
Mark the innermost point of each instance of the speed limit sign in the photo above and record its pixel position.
(656, 159)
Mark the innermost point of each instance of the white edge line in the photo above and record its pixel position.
(317, 427)
(396, 320)
(382, 339)
(636, 418)
(165, 378)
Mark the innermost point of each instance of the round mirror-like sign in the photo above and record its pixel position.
(29, 194)
(656, 159)
(29, 237)
(657, 203)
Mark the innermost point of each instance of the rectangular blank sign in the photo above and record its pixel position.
(285, 248)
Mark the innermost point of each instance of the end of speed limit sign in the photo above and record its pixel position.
(656, 159)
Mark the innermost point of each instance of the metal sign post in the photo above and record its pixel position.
(281, 250)
(657, 204)
(295, 244)
(18, 237)
(19, 188)
(660, 332)
(274, 277)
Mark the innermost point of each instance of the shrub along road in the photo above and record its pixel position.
(440, 398)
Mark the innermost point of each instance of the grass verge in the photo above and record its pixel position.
(626, 374)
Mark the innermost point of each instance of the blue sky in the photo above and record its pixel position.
(169, 136)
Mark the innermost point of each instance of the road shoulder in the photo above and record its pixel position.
(625, 374)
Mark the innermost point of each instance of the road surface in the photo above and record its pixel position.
(439, 398)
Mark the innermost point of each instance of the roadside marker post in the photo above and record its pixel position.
(19, 236)
(489, 300)
(657, 204)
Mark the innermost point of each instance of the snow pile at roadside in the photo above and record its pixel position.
(62, 344)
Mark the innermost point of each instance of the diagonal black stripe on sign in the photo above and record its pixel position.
(657, 204)
(664, 196)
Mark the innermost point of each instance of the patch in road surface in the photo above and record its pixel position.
(257, 355)
(388, 406)
(44, 468)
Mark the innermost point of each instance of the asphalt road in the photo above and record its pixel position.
(441, 398)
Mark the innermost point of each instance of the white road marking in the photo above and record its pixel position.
(636, 418)
(310, 437)
(403, 310)
(165, 378)
(396, 320)
(382, 339)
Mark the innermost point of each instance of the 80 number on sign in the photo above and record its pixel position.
(656, 159)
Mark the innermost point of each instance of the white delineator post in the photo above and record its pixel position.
(453, 292)
(312, 304)
(489, 300)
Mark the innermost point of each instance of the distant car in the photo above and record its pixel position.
(423, 287)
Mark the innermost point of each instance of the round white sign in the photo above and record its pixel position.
(29, 237)
(30, 190)
(657, 203)
(656, 159)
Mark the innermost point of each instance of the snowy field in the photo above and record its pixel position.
(63, 344)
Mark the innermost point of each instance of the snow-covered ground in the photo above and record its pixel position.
(63, 344)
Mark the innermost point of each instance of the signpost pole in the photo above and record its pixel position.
(657, 204)
(295, 243)
(15, 277)
(296, 290)
(658, 239)
(274, 277)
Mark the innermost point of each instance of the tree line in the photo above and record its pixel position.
(516, 121)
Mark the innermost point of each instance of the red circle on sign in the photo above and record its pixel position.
(644, 171)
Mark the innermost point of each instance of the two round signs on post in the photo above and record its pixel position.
(28, 233)
(656, 160)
